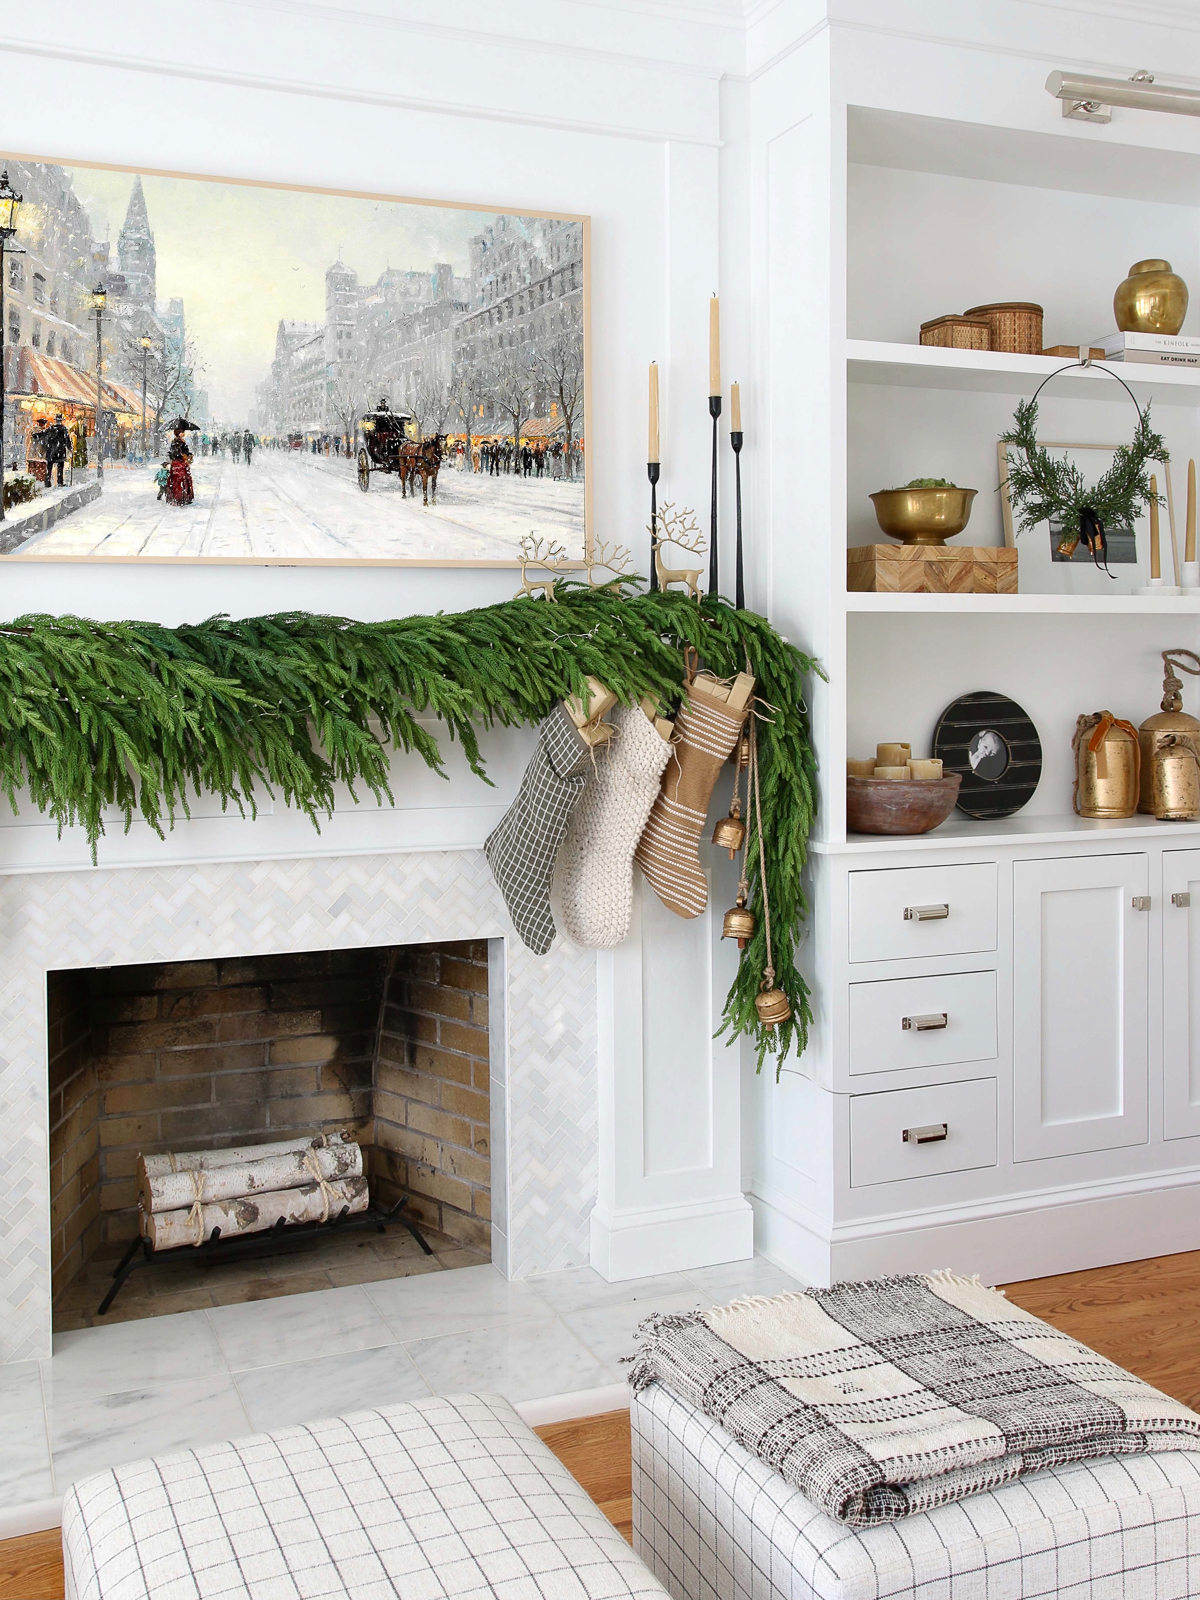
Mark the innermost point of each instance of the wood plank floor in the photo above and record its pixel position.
(1142, 1314)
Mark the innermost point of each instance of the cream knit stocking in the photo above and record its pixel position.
(706, 731)
(595, 864)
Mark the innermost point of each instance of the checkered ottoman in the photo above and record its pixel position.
(453, 1497)
(714, 1523)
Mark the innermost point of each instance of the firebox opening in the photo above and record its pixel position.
(390, 1043)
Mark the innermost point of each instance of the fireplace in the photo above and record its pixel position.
(386, 1044)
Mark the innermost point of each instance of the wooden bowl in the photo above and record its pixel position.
(878, 805)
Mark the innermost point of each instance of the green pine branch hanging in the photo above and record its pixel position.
(140, 717)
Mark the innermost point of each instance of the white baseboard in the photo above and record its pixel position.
(1029, 1236)
(641, 1244)
(33, 1516)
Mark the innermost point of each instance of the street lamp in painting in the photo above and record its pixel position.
(146, 343)
(10, 205)
(98, 299)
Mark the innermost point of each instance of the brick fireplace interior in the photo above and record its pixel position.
(392, 1043)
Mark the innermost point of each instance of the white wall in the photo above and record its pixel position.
(613, 110)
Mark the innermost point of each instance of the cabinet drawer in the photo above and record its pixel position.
(879, 1152)
(922, 1022)
(903, 912)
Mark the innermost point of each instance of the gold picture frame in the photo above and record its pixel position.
(465, 323)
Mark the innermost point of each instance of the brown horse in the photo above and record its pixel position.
(426, 463)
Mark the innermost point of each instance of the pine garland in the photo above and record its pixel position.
(136, 716)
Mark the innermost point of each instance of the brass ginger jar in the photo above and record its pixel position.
(1152, 299)
(923, 516)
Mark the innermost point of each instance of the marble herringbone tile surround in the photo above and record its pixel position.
(189, 912)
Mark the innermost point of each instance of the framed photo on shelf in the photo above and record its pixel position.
(213, 370)
(1043, 570)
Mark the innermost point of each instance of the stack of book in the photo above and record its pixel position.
(1157, 349)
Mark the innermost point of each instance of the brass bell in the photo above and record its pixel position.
(739, 923)
(740, 757)
(772, 1005)
(730, 834)
(1171, 722)
(1107, 770)
(1175, 781)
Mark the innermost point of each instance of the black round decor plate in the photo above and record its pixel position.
(989, 740)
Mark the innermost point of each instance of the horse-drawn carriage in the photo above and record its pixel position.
(392, 445)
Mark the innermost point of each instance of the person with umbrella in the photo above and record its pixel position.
(179, 490)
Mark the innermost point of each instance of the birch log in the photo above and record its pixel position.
(209, 1160)
(167, 1230)
(283, 1169)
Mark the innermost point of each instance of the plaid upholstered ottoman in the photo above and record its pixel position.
(446, 1499)
(714, 1523)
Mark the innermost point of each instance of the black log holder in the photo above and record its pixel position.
(282, 1239)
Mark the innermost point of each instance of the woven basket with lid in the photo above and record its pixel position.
(1015, 326)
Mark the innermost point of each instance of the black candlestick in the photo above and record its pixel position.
(735, 440)
(714, 411)
(652, 472)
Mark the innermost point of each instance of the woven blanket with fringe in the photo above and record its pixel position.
(881, 1399)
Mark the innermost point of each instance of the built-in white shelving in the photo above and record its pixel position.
(916, 366)
(1054, 829)
(1016, 605)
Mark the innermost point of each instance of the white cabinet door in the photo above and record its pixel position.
(1080, 950)
(1181, 993)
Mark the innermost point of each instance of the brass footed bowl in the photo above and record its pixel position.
(877, 805)
(923, 516)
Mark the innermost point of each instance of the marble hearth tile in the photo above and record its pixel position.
(520, 1360)
(87, 1435)
(582, 1288)
(127, 1355)
(737, 1278)
(277, 1397)
(267, 1333)
(610, 1332)
(454, 1302)
(25, 1452)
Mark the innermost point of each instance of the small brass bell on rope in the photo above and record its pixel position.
(730, 833)
(739, 922)
(772, 1004)
(740, 757)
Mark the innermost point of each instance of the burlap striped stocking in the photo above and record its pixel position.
(595, 865)
(522, 848)
(706, 731)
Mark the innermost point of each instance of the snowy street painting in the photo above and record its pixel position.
(230, 372)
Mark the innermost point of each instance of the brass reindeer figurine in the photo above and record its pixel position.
(550, 560)
(678, 528)
(616, 559)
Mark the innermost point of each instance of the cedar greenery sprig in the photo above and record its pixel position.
(137, 717)
(1041, 486)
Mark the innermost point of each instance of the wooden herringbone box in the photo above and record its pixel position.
(931, 569)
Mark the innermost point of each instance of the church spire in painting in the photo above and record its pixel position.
(135, 249)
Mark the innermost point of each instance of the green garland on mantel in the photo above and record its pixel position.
(134, 715)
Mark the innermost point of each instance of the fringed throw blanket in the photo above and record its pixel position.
(878, 1400)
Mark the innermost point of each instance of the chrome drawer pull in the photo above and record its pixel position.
(926, 913)
(926, 1023)
(1183, 901)
(932, 1133)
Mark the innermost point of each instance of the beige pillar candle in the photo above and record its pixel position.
(735, 408)
(893, 774)
(1189, 527)
(714, 346)
(652, 452)
(893, 755)
(860, 769)
(1155, 550)
(924, 769)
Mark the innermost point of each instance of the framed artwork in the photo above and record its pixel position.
(1045, 569)
(209, 370)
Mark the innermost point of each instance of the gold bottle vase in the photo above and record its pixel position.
(1107, 766)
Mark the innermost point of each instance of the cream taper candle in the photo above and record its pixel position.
(1189, 527)
(652, 453)
(1155, 550)
(735, 408)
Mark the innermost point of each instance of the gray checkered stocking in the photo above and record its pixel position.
(522, 848)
